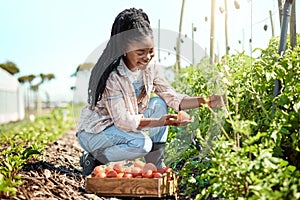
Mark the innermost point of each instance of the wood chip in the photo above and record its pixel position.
(47, 173)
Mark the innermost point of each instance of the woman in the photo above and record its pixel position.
(113, 126)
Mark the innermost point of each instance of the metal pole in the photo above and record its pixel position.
(284, 27)
(280, 11)
(226, 27)
(193, 58)
(293, 32)
(158, 41)
(272, 24)
(179, 37)
(212, 32)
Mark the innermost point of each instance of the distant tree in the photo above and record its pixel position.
(23, 80)
(10, 67)
(236, 4)
(46, 77)
(26, 79)
(35, 88)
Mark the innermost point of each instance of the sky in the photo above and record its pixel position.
(43, 36)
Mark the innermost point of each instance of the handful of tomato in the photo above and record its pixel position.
(138, 169)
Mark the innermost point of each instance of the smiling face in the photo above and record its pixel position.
(139, 53)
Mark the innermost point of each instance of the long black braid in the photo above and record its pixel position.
(130, 24)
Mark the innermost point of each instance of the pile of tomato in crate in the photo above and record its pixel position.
(138, 169)
(135, 179)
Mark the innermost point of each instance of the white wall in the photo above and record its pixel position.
(11, 98)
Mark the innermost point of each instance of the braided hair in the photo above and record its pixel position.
(130, 24)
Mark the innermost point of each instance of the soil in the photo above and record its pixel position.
(57, 175)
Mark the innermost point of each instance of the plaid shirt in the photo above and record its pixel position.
(119, 104)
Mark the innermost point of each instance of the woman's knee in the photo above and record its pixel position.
(142, 144)
(159, 104)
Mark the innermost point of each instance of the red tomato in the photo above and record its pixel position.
(99, 169)
(139, 164)
(111, 174)
(118, 167)
(147, 174)
(162, 170)
(136, 171)
(149, 166)
(120, 175)
(108, 168)
(100, 175)
(181, 116)
(168, 169)
(157, 175)
(127, 175)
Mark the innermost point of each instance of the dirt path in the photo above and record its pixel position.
(56, 175)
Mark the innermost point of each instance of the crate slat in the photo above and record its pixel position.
(139, 186)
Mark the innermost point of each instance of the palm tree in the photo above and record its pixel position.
(23, 80)
(10, 67)
(35, 88)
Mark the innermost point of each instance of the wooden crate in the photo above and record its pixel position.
(134, 187)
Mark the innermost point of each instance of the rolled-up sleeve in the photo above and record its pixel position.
(117, 107)
(163, 89)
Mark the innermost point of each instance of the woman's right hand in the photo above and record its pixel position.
(171, 120)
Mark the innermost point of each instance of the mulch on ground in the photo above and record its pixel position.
(57, 175)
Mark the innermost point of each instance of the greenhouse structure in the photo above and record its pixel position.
(12, 106)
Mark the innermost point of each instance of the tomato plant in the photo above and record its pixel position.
(251, 148)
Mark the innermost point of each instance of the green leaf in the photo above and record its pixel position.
(29, 151)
